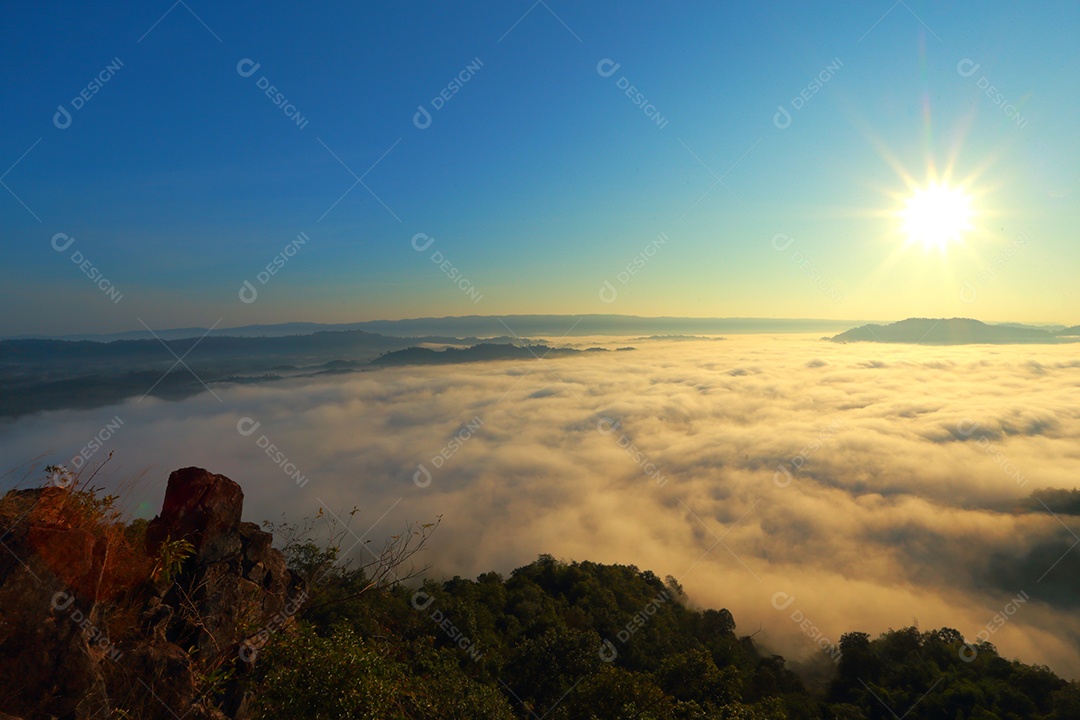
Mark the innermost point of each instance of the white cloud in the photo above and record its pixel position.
(887, 518)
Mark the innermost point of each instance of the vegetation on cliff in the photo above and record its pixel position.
(195, 614)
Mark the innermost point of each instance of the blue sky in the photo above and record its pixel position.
(540, 178)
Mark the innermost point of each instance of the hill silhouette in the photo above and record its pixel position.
(489, 326)
(475, 353)
(945, 331)
(39, 374)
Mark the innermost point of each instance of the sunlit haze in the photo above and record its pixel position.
(539, 359)
(545, 152)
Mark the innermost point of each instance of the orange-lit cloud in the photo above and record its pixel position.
(876, 485)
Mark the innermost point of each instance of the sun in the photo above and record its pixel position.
(937, 216)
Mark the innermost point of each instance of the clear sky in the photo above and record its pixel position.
(757, 167)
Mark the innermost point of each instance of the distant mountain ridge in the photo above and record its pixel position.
(55, 374)
(351, 342)
(489, 326)
(476, 353)
(952, 331)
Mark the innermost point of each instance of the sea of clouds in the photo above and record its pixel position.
(811, 488)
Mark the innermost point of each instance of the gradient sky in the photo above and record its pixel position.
(540, 179)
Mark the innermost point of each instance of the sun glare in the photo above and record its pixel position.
(936, 216)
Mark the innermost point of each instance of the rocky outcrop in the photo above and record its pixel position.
(87, 625)
(203, 508)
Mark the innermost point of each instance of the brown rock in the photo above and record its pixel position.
(263, 564)
(69, 578)
(203, 508)
(48, 661)
(69, 553)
